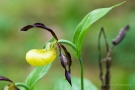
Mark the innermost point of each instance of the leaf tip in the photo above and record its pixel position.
(119, 4)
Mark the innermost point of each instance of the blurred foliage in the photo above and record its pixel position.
(63, 16)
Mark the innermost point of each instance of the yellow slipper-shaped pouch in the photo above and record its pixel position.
(40, 57)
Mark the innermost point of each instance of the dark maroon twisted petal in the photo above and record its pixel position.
(64, 63)
(69, 60)
(68, 77)
(39, 25)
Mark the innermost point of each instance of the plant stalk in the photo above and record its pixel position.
(22, 85)
(82, 73)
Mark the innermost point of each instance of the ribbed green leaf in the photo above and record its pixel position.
(62, 84)
(36, 75)
(85, 24)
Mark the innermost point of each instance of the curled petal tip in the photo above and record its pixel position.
(26, 28)
(39, 25)
(2, 78)
(68, 77)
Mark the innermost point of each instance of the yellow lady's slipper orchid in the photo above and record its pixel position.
(39, 57)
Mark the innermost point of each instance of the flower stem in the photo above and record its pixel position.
(22, 85)
(82, 73)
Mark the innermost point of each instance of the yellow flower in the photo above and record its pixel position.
(39, 57)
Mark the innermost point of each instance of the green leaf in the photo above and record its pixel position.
(62, 84)
(36, 75)
(85, 24)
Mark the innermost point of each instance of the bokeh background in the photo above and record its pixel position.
(63, 16)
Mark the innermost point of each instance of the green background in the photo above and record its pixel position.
(63, 16)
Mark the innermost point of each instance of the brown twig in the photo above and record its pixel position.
(108, 65)
(103, 80)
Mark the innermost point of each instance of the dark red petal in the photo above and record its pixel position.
(40, 25)
(2, 78)
(68, 77)
(68, 56)
(26, 28)
(63, 60)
